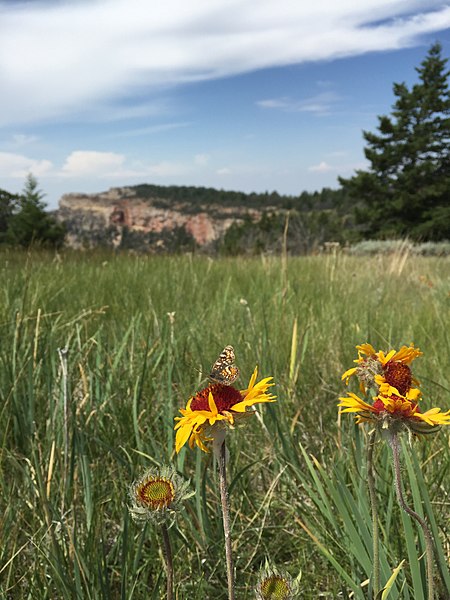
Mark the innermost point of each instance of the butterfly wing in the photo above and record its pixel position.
(224, 370)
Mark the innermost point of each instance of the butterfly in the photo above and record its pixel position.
(224, 370)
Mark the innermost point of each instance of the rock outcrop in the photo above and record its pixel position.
(121, 217)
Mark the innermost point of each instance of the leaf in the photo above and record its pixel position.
(384, 593)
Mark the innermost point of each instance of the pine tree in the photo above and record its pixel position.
(8, 205)
(406, 191)
(31, 224)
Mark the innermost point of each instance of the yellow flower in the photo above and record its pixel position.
(395, 408)
(389, 372)
(217, 406)
(405, 355)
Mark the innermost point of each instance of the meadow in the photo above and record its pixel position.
(142, 333)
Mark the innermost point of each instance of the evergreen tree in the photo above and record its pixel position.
(8, 205)
(406, 191)
(30, 223)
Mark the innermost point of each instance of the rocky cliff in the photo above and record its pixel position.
(137, 218)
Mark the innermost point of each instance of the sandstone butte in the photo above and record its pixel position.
(105, 218)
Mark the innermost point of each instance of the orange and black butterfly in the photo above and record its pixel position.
(224, 370)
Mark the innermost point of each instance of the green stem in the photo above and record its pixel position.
(226, 519)
(169, 562)
(62, 353)
(395, 446)
(374, 507)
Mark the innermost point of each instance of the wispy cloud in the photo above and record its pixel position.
(224, 171)
(320, 104)
(342, 169)
(97, 58)
(201, 159)
(22, 139)
(151, 129)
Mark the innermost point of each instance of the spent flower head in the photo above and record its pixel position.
(395, 405)
(274, 584)
(216, 407)
(157, 495)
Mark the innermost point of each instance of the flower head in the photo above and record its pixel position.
(218, 406)
(276, 585)
(395, 405)
(157, 495)
(387, 410)
(390, 370)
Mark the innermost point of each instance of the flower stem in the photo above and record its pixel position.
(401, 500)
(226, 519)
(374, 507)
(169, 562)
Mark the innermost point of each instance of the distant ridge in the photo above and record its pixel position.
(155, 218)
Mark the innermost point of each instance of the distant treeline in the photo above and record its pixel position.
(305, 201)
(299, 224)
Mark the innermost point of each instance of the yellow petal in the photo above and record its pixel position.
(413, 394)
(241, 406)
(353, 403)
(212, 404)
(366, 349)
(348, 374)
(182, 437)
(251, 383)
(434, 416)
(385, 358)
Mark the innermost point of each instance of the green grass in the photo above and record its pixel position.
(298, 493)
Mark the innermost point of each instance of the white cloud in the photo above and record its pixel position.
(223, 171)
(91, 58)
(88, 162)
(83, 165)
(322, 167)
(18, 166)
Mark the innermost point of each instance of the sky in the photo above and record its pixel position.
(248, 95)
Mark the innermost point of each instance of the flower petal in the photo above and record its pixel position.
(349, 374)
(212, 405)
(353, 403)
(434, 416)
(182, 437)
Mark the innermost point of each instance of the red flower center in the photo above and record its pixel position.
(225, 396)
(399, 376)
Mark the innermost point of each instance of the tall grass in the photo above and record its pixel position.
(298, 489)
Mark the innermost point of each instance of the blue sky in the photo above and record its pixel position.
(233, 94)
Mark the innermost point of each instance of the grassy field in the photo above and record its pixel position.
(142, 333)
